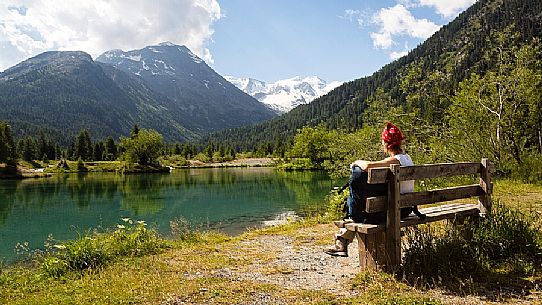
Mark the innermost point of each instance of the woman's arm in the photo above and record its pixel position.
(365, 165)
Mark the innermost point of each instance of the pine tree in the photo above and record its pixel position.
(83, 146)
(99, 151)
(110, 149)
(134, 131)
(7, 145)
(70, 151)
(177, 150)
(44, 159)
(27, 149)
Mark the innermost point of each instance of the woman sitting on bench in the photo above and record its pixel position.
(392, 139)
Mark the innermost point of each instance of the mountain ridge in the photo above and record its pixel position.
(68, 91)
(63, 92)
(284, 95)
(199, 95)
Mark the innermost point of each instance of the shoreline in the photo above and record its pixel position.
(244, 162)
(27, 170)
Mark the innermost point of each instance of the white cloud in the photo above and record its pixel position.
(397, 20)
(350, 14)
(28, 27)
(362, 17)
(407, 3)
(447, 8)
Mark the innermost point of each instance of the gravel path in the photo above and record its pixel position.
(305, 266)
(300, 263)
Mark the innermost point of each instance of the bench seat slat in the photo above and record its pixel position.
(444, 212)
(430, 210)
(441, 212)
(365, 228)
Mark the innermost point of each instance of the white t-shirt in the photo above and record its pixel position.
(408, 185)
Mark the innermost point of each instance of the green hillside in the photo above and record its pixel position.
(62, 93)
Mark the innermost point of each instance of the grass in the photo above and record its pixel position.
(94, 250)
(520, 196)
(499, 256)
(382, 288)
(191, 271)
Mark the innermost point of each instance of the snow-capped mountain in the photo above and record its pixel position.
(199, 96)
(284, 95)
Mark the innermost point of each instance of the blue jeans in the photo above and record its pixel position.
(359, 191)
(354, 174)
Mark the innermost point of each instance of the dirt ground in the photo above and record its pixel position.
(298, 262)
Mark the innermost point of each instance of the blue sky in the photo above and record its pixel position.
(269, 40)
(263, 39)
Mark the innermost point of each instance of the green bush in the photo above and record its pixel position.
(175, 160)
(335, 204)
(217, 157)
(80, 254)
(95, 250)
(429, 258)
(297, 164)
(134, 239)
(202, 157)
(81, 167)
(530, 169)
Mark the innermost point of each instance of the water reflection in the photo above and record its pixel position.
(228, 199)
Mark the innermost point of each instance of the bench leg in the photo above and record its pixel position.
(372, 251)
(381, 253)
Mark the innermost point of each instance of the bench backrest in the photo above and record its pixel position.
(417, 172)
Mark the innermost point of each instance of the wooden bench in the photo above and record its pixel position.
(380, 244)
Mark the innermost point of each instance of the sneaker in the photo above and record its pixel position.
(339, 249)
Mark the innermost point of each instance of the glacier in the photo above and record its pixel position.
(284, 95)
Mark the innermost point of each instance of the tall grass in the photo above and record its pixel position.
(505, 241)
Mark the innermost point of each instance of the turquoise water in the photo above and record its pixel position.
(229, 200)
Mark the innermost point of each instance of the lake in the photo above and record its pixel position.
(226, 199)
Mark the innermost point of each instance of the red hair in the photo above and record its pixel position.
(392, 135)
